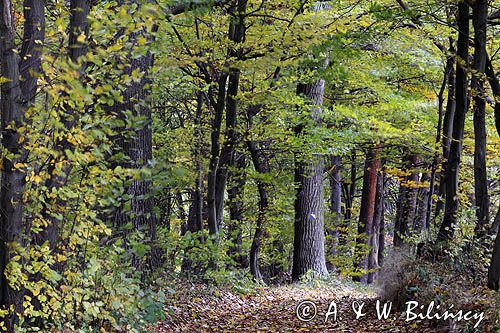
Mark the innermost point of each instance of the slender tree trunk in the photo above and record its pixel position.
(377, 230)
(236, 35)
(17, 93)
(447, 127)
(494, 269)
(213, 226)
(309, 236)
(495, 88)
(350, 188)
(452, 167)
(261, 165)
(237, 180)
(335, 206)
(381, 236)
(496, 223)
(367, 210)
(78, 25)
(198, 157)
(407, 200)
(479, 20)
(423, 194)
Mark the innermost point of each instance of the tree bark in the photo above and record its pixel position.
(237, 180)
(236, 35)
(367, 209)
(309, 236)
(350, 188)
(423, 194)
(447, 126)
(16, 95)
(261, 165)
(78, 24)
(377, 239)
(381, 236)
(213, 226)
(494, 269)
(479, 21)
(335, 206)
(407, 201)
(136, 145)
(495, 88)
(453, 165)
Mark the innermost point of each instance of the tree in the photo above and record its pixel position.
(453, 165)
(334, 173)
(365, 238)
(219, 165)
(407, 201)
(18, 90)
(479, 21)
(309, 237)
(261, 165)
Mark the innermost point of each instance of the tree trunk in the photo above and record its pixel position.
(17, 93)
(496, 223)
(213, 226)
(377, 230)
(381, 236)
(236, 35)
(495, 88)
(237, 179)
(479, 21)
(447, 126)
(367, 209)
(494, 269)
(261, 165)
(423, 194)
(78, 24)
(407, 200)
(309, 236)
(452, 167)
(137, 146)
(350, 189)
(335, 206)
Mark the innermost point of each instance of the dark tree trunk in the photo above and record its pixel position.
(367, 209)
(423, 195)
(213, 226)
(309, 236)
(496, 223)
(495, 88)
(78, 24)
(377, 230)
(335, 206)
(452, 167)
(407, 201)
(237, 179)
(136, 145)
(236, 35)
(381, 236)
(198, 157)
(261, 165)
(350, 189)
(447, 126)
(494, 269)
(17, 93)
(479, 20)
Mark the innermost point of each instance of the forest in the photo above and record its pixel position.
(249, 165)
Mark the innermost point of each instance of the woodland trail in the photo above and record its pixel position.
(273, 309)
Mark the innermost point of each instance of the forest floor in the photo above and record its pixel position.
(202, 308)
(273, 309)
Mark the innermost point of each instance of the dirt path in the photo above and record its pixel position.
(197, 309)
